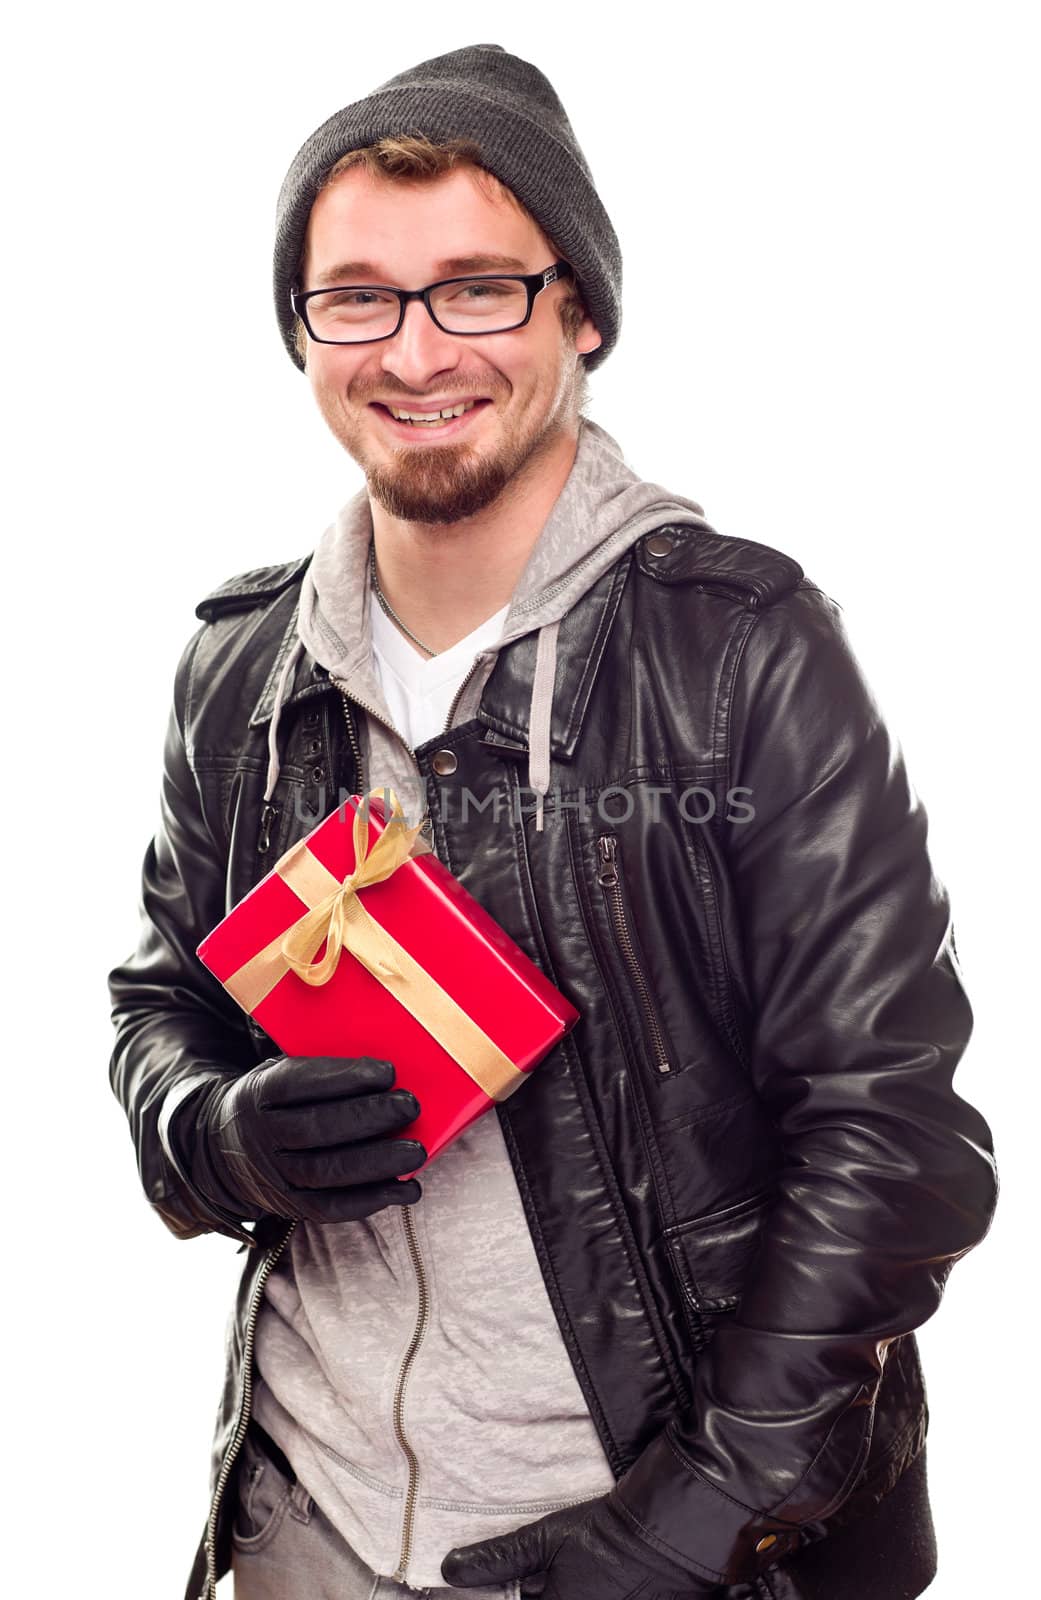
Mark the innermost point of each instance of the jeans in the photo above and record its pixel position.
(284, 1548)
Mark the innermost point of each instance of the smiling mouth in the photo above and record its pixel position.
(416, 421)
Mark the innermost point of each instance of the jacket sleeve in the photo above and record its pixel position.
(886, 1175)
(177, 1031)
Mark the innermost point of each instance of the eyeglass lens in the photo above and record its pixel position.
(477, 305)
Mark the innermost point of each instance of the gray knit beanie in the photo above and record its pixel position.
(511, 111)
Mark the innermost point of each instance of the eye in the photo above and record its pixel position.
(354, 298)
(482, 291)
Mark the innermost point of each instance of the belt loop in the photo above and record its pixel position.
(301, 1505)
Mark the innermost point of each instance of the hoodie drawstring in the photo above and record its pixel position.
(273, 763)
(540, 717)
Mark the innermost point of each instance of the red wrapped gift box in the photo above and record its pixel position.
(396, 961)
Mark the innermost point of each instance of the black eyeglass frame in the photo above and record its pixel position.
(534, 283)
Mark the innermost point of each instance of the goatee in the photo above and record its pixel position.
(440, 483)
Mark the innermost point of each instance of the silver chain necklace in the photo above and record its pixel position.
(385, 604)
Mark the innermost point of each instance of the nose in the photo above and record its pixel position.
(419, 350)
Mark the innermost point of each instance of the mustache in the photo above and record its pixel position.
(403, 393)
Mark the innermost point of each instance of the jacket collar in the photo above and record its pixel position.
(506, 701)
(505, 705)
(309, 679)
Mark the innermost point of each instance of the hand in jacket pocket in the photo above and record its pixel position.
(585, 1552)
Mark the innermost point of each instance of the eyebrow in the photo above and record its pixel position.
(452, 266)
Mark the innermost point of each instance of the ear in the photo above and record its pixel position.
(588, 337)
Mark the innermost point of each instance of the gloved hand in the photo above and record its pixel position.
(305, 1136)
(586, 1552)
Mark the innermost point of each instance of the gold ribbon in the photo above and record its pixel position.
(337, 915)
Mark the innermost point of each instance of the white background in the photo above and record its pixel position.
(828, 218)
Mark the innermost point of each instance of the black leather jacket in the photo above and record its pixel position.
(746, 1172)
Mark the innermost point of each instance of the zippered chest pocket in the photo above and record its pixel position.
(611, 879)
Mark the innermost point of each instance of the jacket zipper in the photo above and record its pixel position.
(352, 735)
(268, 813)
(610, 878)
(399, 1395)
(210, 1592)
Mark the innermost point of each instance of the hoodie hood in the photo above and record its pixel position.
(603, 508)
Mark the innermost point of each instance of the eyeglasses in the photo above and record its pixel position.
(361, 313)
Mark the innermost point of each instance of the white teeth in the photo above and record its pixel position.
(432, 417)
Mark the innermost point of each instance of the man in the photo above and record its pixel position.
(648, 1328)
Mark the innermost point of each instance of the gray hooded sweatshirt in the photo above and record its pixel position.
(496, 1426)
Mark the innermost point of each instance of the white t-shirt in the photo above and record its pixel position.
(419, 689)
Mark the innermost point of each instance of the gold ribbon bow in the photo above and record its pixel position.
(337, 915)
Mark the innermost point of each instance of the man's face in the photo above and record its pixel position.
(363, 229)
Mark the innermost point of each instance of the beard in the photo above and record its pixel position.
(440, 484)
(448, 483)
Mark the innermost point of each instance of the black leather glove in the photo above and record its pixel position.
(586, 1552)
(304, 1136)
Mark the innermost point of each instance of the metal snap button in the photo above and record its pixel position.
(659, 544)
(444, 762)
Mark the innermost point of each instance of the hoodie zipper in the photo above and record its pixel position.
(477, 661)
(609, 877)
(408, 1521)
(408, 1224)
(210, 1591)
(352, 732)
(268, 814)
(348, 695)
